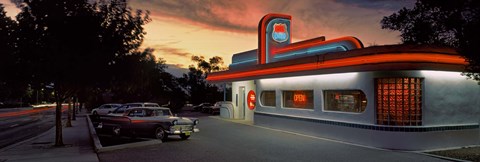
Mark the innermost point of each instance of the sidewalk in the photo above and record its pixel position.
(78, 146)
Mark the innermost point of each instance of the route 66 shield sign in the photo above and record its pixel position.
(280, 33)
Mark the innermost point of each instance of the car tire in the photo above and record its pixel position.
(95, 113)
(116, 131)
(184, 137)
(160, 134)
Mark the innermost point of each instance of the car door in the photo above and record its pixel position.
(138, 125)
(104, 109)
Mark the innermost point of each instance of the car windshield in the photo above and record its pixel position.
(135, 105)
(120, 109)
(163, 112)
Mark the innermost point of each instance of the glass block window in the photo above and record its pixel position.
(399, 101)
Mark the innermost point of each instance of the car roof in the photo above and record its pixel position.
(112, 104)
(153, 108)
(143, 103)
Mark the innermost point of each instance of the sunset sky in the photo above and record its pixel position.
(182, 28)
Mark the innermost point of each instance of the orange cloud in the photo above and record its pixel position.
(210, 28)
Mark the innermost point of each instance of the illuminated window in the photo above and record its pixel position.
(268, 98)
(345, 100)
(302, 99)
(399, 101)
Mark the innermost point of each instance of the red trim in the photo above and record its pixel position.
(352, 61)
(316, 42)
(262, 53)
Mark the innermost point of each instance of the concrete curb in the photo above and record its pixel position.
(99, 148)
(130, 145)
(93, 135)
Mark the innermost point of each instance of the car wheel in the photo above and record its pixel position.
(161, 134)
(116, 131)
(95, 113)
(184, 137)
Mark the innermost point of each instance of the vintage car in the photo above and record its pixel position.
(212, 109)
(201, 106)
(119, 111)
(105, 109)
(156, 122)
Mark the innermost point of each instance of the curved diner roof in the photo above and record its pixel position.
(378, 58)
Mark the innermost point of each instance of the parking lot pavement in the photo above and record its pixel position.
(220, 140)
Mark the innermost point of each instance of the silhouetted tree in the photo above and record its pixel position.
(196, 85)
(446, 23)
(134, 76)
(212, 65)
(13, 84)
(73, 45)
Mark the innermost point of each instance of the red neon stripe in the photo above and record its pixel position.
(315, 42)
(360, 60)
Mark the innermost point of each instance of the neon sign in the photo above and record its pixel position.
(275, 38)
(280, 33)
(251, 98)
(299, 99)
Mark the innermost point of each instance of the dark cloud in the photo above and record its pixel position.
(18, 3)
(211, 13)
(392, 5)
(311, 18)
(172, 51)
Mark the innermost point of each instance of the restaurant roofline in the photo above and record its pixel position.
(377, 58)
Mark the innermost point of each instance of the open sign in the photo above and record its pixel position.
(299, 99)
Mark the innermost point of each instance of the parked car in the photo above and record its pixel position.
(201, 106)
(156, 122)
(215, 108)
(207, 108)
(120, 110)
(105, 109)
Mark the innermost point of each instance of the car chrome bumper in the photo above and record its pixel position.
(181, 129)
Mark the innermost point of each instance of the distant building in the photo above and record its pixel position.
(396, 97)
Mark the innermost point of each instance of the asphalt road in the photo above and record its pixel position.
(226, 141)
(26, 124)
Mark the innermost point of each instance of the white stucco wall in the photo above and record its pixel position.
(449, 98)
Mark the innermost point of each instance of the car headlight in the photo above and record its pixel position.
(195, 122)
(175, 122)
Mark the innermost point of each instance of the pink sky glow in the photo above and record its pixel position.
(182, 28)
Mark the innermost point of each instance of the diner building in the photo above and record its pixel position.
(407, 97)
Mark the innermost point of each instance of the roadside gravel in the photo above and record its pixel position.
(467, 153)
